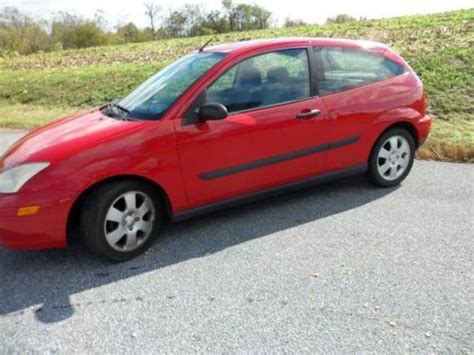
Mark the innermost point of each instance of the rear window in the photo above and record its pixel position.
(345, 68)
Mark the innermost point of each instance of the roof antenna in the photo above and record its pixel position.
(205, 44)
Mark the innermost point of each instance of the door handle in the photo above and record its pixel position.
(308, 114)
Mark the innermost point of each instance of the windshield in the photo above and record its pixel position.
(152, 98)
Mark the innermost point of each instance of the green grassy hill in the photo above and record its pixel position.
(37, 88)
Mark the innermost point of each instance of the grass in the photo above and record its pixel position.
(37, 88)
(449, 141)
(26, 116)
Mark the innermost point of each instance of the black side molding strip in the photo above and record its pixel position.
(277, 159)
(236, 201)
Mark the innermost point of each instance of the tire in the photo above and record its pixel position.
(391, 158)
(120, 220)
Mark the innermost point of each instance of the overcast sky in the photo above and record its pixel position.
(312, 11)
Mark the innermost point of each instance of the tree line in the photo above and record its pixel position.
(23, 34)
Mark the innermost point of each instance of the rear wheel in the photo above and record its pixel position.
(392, 158)
(120, 220)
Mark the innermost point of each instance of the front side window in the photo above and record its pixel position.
(152, 98)
(263, 80)
(345, 68)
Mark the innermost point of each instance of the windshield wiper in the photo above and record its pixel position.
(117, 105)
(112, 110)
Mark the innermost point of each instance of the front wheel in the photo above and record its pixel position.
(120, 220)
(392, 158)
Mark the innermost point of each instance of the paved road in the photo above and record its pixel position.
(341, 268)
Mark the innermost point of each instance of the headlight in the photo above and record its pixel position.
(11, 180)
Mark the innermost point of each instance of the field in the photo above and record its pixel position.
(37, 88)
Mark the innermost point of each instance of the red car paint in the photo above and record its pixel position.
(88, 148)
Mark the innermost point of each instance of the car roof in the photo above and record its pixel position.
(248, 45)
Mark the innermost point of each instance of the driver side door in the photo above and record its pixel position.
(276, 131)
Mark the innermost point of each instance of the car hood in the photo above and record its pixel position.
(66, 137)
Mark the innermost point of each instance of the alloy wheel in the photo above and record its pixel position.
(129, 221)
(393, 157)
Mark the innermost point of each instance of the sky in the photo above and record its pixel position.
(311, 11)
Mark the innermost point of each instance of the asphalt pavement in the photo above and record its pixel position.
(342, 267)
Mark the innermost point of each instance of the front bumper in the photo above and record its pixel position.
(44, 229)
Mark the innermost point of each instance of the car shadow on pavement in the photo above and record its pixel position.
(43, 281)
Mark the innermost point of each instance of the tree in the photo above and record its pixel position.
(152, 11)
(195, 18)
(73, 31)
(293, 23)
(129, 33)
(24, 34)
(342, 18)
(228, 8)
(63, 27)
(174, 24)
(217, 22)
(245, 17)
(89, 34)
(261, 17)
(21, 33)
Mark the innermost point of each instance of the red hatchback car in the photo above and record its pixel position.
(218, 127)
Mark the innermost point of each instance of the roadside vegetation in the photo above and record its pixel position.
(39, 87)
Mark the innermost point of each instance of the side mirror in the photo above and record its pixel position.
(212, 111)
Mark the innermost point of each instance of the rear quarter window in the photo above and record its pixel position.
(344, 68)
